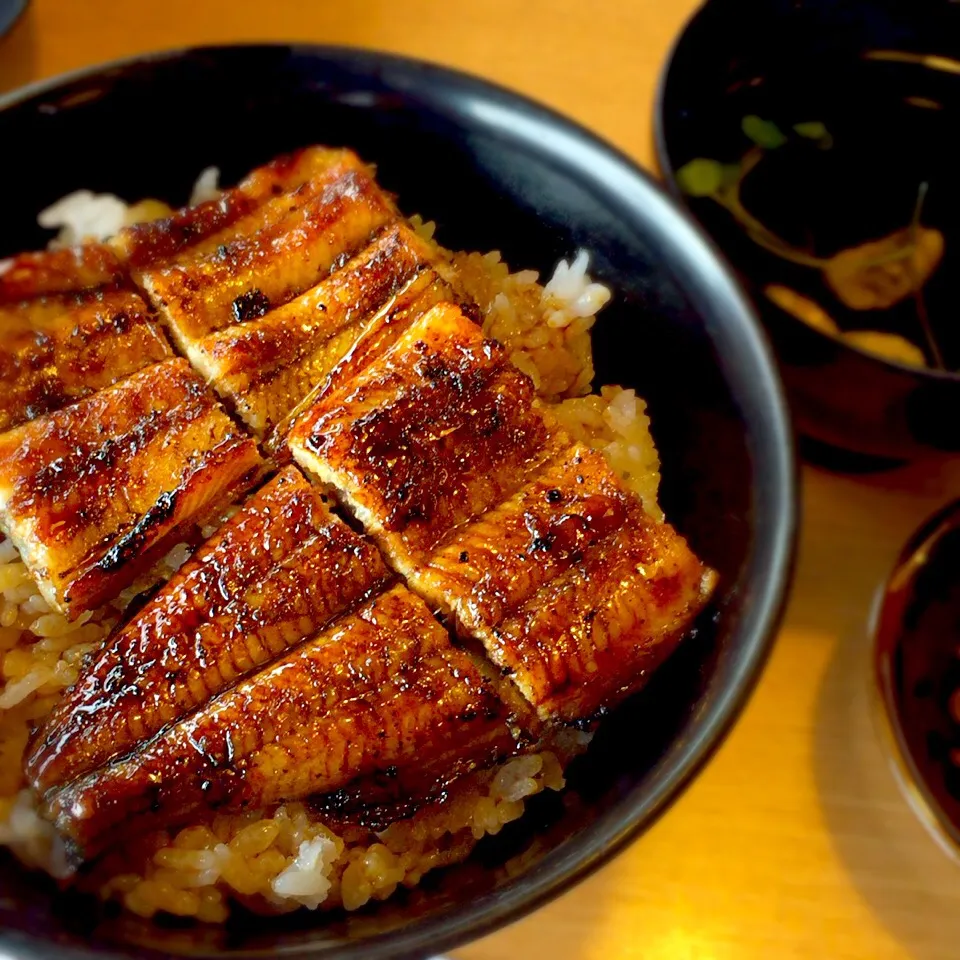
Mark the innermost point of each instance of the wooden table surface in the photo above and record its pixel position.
(795, 841)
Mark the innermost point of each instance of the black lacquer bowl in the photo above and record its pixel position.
(917, 669)
(494, 171)
(856, 69)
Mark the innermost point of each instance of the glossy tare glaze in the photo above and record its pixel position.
(282, 568)
(492, 513)
(266, 366)
(379, 690)
(69, 329)
(437, 430)
(93, 493)
(264, 258)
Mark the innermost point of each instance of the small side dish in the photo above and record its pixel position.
(321, 557)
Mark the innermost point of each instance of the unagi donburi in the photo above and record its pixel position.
(320, 556)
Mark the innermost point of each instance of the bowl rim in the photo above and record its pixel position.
(771, 562)
(668, 173)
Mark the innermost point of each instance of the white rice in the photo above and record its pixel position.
(207, 186)
(570, 293)
(83, 215)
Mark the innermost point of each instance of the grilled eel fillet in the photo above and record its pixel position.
(381, 690)
(46, 273)
(266, 289)
(327, 208)
(69, 329)
(435, 431)
(92, 493)
(266, 366)
(199, 228)
(576, 594)
(278, 571)
(490, 512)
